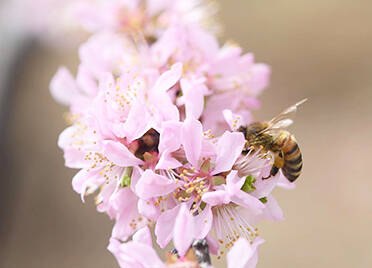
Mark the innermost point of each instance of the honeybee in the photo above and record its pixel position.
(271, 136)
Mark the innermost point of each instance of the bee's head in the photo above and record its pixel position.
(253, 130)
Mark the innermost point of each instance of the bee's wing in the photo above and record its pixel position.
(283, 123)
(283, 119)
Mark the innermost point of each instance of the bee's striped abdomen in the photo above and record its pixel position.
(292, 159)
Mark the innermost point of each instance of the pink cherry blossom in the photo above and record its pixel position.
(233, 193)
(220, 78)
(182, 238)
(196, 182)
(54, 20)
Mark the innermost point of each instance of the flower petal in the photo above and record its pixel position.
(170, 136)
(79, 180)
(166, 161)
(84, 179)
(183, 233)
(273, 210)
(169, 78)
(153, 185)
(191, 137)
(164, 226)
(215, 198)
(75, 158)
(239, 254)
(233, 120)
(86, 81)
(165, 109)
(133, 128)
(136, 175)
(63, 86)
(243, 254)
(265, 187)
(143, 254)
(212, 244)
(260, 77)
(143, 236)
(234, 182)
(229, 147)
(203, 222)
(135, 254)
(125, 202)
(148, 209)
(285, 183)
(114, 246)
(119, 154)
(246, 200)
(193, 94)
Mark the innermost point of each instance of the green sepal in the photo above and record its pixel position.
(263, 200)
(125, 181)
(248, 184)
(205, 166)
(202, 205)
(218, 180)
(127, 177)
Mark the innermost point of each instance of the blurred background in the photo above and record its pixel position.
(319, 49)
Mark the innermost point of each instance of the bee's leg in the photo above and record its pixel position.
(278, 163)
(257, 143)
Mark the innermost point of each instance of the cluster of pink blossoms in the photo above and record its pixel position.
(53, 20)
(154, 112)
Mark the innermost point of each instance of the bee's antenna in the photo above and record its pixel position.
(301, 102)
